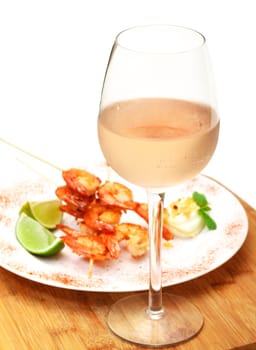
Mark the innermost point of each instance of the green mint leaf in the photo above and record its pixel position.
(200, 199)
(206, 208)
(209, 222)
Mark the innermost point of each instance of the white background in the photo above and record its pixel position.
(53, 56)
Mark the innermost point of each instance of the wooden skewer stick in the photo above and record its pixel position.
(90, 268)
(30, 154)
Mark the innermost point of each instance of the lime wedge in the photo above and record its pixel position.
(35, 238)
(26, 209)
(47, 213)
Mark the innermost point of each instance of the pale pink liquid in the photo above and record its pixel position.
(156, 142)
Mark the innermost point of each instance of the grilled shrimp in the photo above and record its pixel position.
(92, 246)
(102, 218)
(72, 198)
(116, 194)
(136, 237)
(81, 181)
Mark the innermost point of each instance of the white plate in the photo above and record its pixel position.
(186, 260)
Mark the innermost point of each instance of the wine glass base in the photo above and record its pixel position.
(181, 320)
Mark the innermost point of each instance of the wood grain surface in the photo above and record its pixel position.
(35, 316)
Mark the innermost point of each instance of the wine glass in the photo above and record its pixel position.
(157, 128)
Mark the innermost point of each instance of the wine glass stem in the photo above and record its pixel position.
(155, 223)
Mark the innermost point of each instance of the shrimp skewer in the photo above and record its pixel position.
(98, 209)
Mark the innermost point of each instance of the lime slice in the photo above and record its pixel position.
(35, 238)
(47, 213)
